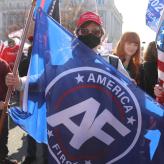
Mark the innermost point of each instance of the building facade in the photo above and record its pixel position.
(112, 20)
(14, 12)
(12, 16)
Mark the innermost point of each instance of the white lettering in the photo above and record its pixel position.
(110, 84)
(90, 125)
(56, 146)
(125, 100)
(128, 108)
(121, 94)
(91, 78)
(61, 156)
(116, 90)
(101, 80)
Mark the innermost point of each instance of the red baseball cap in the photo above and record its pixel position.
(88, 16)
(30, 38)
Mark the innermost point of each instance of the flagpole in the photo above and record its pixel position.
(17, 62)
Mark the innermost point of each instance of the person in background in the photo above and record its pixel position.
(4, 70)
(9, 53)
(149, 73)
(128, 50)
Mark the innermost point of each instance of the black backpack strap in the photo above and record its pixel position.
(113, 60)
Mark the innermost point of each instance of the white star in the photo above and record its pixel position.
(162, 32)
(159, 42)
(79, 78)
(131, 120)
(50, 134)
(88, 162)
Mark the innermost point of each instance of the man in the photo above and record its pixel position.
(90, 31)
(9, 53)
(4, 70)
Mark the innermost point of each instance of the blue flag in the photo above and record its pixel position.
(154, 13)
(94, 114)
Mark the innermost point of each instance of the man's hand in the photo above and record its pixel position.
(12, 81)
(2, 105)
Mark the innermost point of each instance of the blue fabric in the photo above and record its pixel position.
(46, 6)
(94, 113)
(154, 13)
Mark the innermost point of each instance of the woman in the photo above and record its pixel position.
(128, 50)
(149, 74)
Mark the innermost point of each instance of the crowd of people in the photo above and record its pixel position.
(126, 58)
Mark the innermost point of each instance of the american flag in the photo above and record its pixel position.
(160, 48)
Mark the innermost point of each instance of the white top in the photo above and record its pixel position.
(120, 65)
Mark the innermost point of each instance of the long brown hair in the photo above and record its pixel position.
(151, 52)
(130, 37)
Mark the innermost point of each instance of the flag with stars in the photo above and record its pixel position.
(154, 13)
(89, 111)
(160, 49)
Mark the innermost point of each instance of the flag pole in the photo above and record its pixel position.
(16, 64)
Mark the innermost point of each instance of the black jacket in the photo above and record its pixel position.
(148, 77)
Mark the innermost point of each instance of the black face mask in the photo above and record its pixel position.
(90, 40)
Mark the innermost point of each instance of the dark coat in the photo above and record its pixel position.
(148, 77)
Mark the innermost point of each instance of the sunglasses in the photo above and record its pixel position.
(96, 32)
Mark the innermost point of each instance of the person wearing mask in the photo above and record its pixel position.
(4, 70)
(128, 50)
(90, 31)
